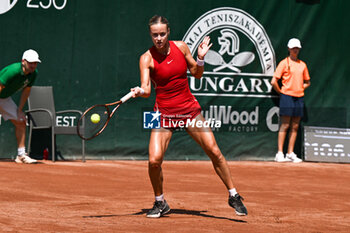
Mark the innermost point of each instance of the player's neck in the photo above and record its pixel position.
(166, 50)
(293, 58)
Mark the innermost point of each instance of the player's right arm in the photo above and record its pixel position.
(146, 65)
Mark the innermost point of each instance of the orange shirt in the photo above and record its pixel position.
(293, 74)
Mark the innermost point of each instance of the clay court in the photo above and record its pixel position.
(113, 196)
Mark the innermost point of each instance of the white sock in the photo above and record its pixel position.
(232, 192)
(160, 198)
(21, 150)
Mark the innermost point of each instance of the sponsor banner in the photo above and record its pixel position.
(235, 87)
(220, 118)
(326, 144)
(249, 38)
(242, 120)
(156, 120)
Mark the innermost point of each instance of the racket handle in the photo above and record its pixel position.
(127, 96)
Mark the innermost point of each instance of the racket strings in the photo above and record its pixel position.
(93, 122)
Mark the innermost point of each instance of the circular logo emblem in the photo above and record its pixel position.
(6, 5)
(231, 27)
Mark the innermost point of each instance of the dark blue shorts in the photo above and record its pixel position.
(291, 106)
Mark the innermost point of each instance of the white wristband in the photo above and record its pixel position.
(141, 90)
(200, 62)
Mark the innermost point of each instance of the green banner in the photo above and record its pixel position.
(90, 51)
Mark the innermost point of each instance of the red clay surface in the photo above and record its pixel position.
(113, 196)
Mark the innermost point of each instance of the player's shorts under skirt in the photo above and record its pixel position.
(291, 106)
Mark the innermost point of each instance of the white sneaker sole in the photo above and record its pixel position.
(31, 162)
(26, 162)
(283, 161)
(240, 214)
(158, 215)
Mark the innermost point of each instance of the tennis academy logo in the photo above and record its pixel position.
(241, 61)
(239, 66)
(6, 5)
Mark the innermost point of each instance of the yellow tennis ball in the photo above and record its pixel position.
(95, 118)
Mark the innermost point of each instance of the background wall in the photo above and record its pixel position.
(90, 50)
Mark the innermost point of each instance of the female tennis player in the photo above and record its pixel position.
(166, 64)
(295, 79)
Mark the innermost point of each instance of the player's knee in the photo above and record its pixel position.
(284, 127)
(295, 127)
(215, 154)
(218, 159)
(154, 163)
(216, 151)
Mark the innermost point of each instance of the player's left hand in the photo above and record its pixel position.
(204, 47)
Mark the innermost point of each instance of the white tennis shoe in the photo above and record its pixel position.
(24, 159)
(280, 158)
(293, 157)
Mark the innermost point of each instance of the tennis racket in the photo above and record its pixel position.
(96, 118)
